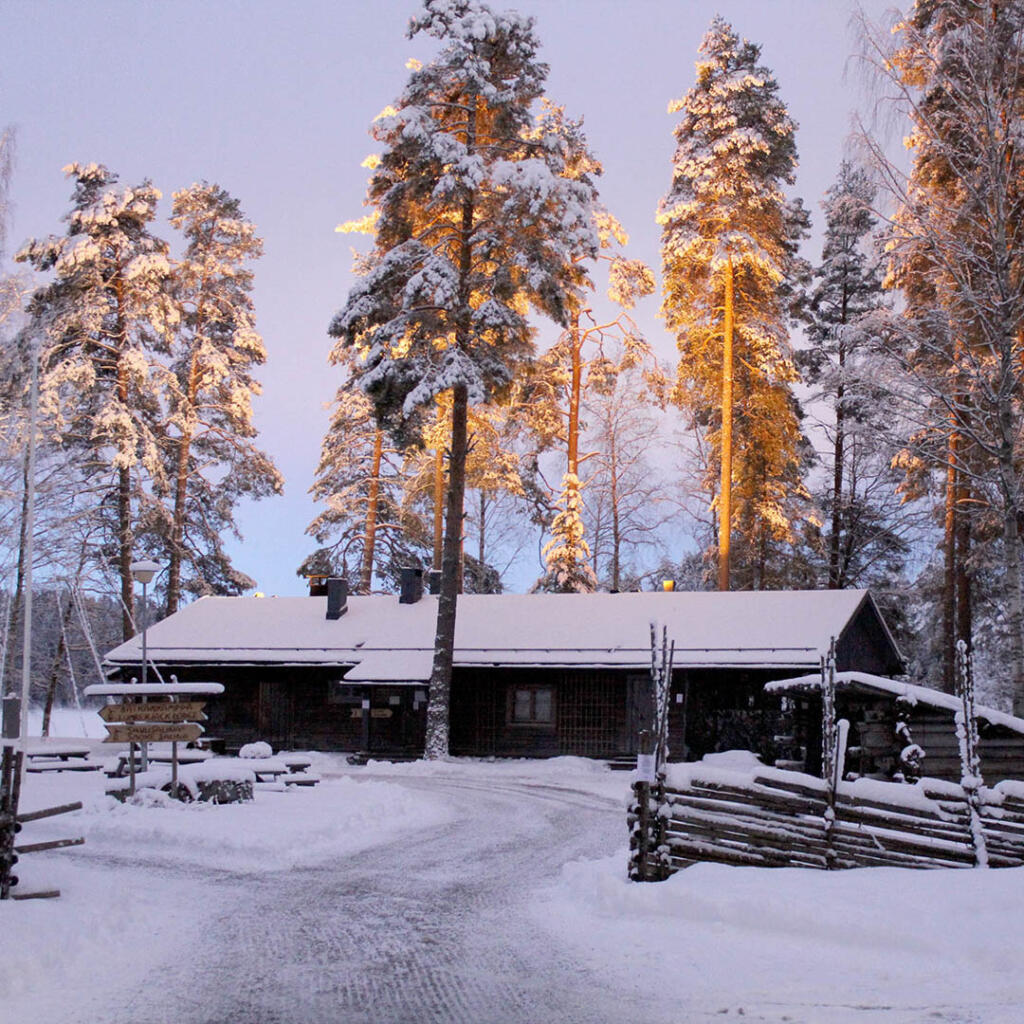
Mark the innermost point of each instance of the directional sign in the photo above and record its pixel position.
(133, 711)
(153, 733)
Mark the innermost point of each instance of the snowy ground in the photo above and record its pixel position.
(472, 892)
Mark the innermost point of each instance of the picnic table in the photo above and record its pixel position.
(120, 768)
(287, 768)
(55, 755)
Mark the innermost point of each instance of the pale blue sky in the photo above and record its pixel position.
(272, 100)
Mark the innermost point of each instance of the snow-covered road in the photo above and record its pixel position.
(429, 929)
(490, 893)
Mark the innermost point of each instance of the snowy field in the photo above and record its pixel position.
(472, 892)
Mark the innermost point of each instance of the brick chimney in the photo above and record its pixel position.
(411, 586)
(337, 598)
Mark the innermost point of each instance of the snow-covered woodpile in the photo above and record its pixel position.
(744, 814)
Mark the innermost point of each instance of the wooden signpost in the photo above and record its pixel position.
(133, 711)
(158, 722)
(154, 732)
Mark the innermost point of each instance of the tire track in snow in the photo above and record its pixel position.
(424, 931)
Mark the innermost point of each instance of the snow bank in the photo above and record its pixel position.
(107, 928)
(800, 945)
(298, 827)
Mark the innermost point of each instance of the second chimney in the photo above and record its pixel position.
(337, 598)
(411, 586)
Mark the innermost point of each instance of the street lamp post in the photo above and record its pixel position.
(143, 572)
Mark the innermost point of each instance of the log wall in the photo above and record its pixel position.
(788, 819)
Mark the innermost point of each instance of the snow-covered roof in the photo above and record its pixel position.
(394, 642)
(151, 689)
(863, 682)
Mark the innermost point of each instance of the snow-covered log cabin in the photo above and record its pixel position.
(534, 675)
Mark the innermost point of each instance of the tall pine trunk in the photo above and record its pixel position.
(178, 525)
(436, 745)
(962, 582)
(124, 551)
(181, 493)
(438, 507)
(949, 577)
(572, 461)
(11, 684)
(439, 699)
(616, 519)
(372, 501)
(835, 569)
(725, 497)
(125, 539)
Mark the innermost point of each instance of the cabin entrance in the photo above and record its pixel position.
(397, 720)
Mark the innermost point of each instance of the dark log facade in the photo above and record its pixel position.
(502, 709)
(579, 711)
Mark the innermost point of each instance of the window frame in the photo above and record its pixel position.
(533, 722)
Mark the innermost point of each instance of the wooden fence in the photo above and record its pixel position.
(772, 818)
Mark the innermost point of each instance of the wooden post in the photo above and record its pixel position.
(642, 788)
(10, 789)
(970, 758)
(829, 747)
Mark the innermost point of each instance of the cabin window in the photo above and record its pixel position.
(531, 705)
(342, 693)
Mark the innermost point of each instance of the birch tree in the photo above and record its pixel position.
(213, 458)
(729, 239)
(476, 223)
(626, 504)
(579, 363)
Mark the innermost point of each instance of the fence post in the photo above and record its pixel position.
(970, 757)
(10, 784)
(829, 748)
(647, 862)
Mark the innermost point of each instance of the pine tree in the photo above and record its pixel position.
(476, 221)
(729, 241)
(865, 542)
(213, 459)
(104, 318)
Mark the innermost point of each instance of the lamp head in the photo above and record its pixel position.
(144, 571)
